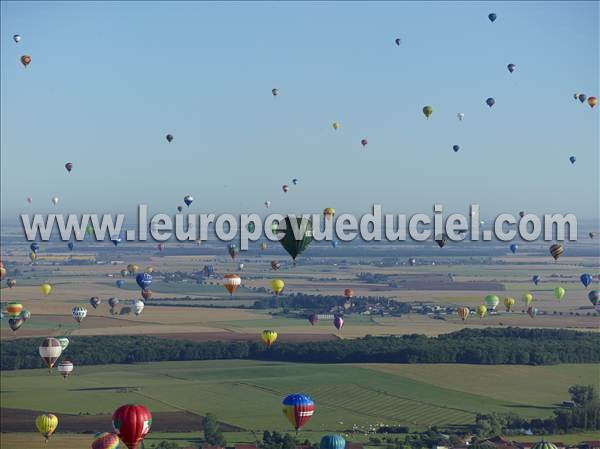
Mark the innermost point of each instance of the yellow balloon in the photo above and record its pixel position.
(277, 285)
(2, 272)
(527, 298)
(336, 125)
(427, 110)
(268, 337)
(32, 256)
(149, 270)
(559, 293)
(46, 289)
(481, 310)
(509, 303)
(46, 424)
(329, 212)
(132, 268)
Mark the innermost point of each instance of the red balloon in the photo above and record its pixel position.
(348, 293)
(132, 423)
(25, 60)
(364, 142)
(146, 293)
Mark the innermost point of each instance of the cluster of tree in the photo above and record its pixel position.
(584, 415)
(429, 438)
(275, 440)
(474, 346)
(212, 431)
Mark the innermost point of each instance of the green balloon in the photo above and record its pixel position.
(294, 246)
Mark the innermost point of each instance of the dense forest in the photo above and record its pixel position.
(476, 346)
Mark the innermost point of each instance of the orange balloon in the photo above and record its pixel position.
(25, 60)
(231, 282)
(592, 101)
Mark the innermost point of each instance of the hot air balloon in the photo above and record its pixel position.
(509, 302)
(513, 248)
(132, 423)
(532, 311)
(398, 41)
(124, 273)
(120, 283)
(329, 212)
(268, 337)
(79, 313)
(335, 125)
(490, 102)
(527, 298)
(481, 310)
(582, 97)
(25, 314)
(106, 441)
(559, 293)
(179, 208)
(233, 250)
(231, 282)
(15, 323)
(132, 268)
(46, 289)
(295, 181)
(441, 240)
(536, 279)
(208, 271)
(149, 270)
(64, 343)
(460, 116)
(95, 301)
(144, 280)
(14, 309)
(313, 318)
(293, 246)
(522, 213)
(275, 265)
(69, 166)
(277, 285)
(348, 293)
(241, 266)
(25, 60)
(169, 138)
(593, 234)
(11, 283)
(511, 67)
(491, 302)
(146, 294)
(332, 442)
(70, 245)
(116, 239)
(592, 101)
(364, 142)
(267, 204)
(455, 148)
(29, 199)
(46, 424)
(285, 188)
(50, 350)
(334, 243)
(298, 409)
(338, 322)
(572, 159)
(188, 200)
(586, 279)
(492, 16)
(17, 38)
(594, 296)
(65, 368)
(556, 250)
(428, 110)
(463, 313)
(275, 92)
(34, 247)
(55, 200)
(138, 306)
(112, 303)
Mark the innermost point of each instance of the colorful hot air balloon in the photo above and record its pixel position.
(532, 311)
(14, 309)
(398, 41)
(2, 272)
(490, 102)
(46, 289)
(298, 409)
(32, 257)
(335, 125)
(15, 323)
(460, 116)
(594, 297)
(511, 67)
(233, 250)
(592, 101)
(492, 16)
(364, 142)
(65, 368)
(275, 92)
(79, 313)
(112, 303)
(277, 285)
(11, 283)
(69, 166)
(46, 424)
(64, 343)
(268, 337)
(313, 318)
(412, 261)
(338, 322)
(106, 441)
(527, 298)
(481, 310)
(455, 148)
(132, 423)
(95, 301)
(179, 208)
(17, 38)
(267, 204)
(536, 279)
(427, 111)
(275, 265)
(586, 279)
(509, 302)
(188, 200)
(25, 314)
(70, 245)
(572, 159)
(491, 302)
(146, 294)
(169, 138)
(463, 313)
(556, 250)
(144, 280)
(332, 442)
(581, 97)
(50, 351)
(348, 293)
(328, 212)
(25, 60)
(231, 282)
(263, 246)
(559, 293)
(132, 268)
(513, 248)
(293, 246)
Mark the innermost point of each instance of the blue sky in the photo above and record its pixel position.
(108, 81)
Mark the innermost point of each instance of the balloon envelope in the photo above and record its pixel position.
(132, 423)
(298, 409)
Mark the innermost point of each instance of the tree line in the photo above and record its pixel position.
(472, 346)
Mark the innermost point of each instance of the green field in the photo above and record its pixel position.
(248, 393)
